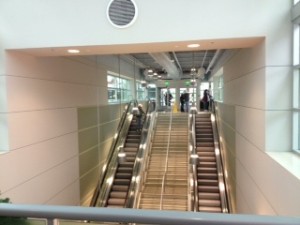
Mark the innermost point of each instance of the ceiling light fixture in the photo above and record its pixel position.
(73, 51)
(193, 45)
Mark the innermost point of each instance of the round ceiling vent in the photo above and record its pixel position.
(122, 13)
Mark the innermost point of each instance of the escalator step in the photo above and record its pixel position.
(205, 149)
(209, 189)
(210, 203)
(204, 144)
(207, 159)
(213, 196)
(210, 154)
(123, 175)
(207, 182)
(126, 164)
(206, 169)
(207, 164)
(210, 209)
(128, 149)
(130, 159)
(132, 145)
(122, 181)
(210, 176)
(124, 169)
(116, 201)
(119, 188)
(118, 194)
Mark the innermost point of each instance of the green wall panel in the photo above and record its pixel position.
(87, 139)
(108, 130)
(89, 182)
(87, 117)
(109, 113)
(88, 160)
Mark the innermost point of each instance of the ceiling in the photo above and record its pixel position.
(177, 65)
(171, 60)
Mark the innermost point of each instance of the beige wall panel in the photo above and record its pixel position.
(52, 182)
(247, 182)
(228, 114)
(277, 186)
(26, 128)
(63, 69)
(278, 92)
(245, 61)
(248, 90)
(4, 133)
(34, 160)
(251, 125)
(278, 131)
(68, 196)
(32, 94)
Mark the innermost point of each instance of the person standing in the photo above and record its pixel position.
(187, 101)
(206, 99)
(168, 98)
(139, 116)
(182, 102)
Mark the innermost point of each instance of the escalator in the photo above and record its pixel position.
(209, 197)
(121, 183)
(117, 182)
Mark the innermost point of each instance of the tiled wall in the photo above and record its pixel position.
(252, 124)
(97, 126)
(56, 126)
(40, 165)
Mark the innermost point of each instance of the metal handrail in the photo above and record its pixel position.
(193, 168)
(142, 216)
(166, 164)
(223, 183)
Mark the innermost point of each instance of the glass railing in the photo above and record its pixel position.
(71, 215)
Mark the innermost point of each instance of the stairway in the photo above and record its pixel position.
(208, 185)
(122, 180)
(166, 180)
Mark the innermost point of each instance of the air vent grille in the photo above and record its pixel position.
(121, 12)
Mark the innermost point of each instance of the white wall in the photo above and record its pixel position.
(76, 23)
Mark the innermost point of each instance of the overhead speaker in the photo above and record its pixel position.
(122, 13)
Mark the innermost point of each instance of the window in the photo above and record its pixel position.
(218, 88)
(118, 89)
(140, 91)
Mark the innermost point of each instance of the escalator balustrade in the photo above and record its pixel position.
(122, 180)
(207, 176)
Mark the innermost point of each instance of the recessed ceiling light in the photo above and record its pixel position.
(193, 45)
(73, 51)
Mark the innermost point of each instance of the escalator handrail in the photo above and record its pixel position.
(193, 168)
(141, 157)
(224, 192)
(128, 107)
